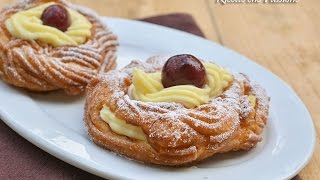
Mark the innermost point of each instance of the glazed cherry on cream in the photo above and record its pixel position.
(183, 69)
(56, 16)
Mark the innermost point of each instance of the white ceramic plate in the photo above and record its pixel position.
(54, 122)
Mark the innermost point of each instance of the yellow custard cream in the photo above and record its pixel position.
(147, 87)
(120, 126)
(28, 25)
(252, 100)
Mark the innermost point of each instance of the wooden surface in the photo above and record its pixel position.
(285, 38)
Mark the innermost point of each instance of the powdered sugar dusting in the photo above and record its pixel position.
(172, 126)
(38, 66)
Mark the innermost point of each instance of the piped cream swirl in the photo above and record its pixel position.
(28, 25)
(147, 87)
(120, 126)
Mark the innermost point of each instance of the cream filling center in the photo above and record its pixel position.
(120, 126)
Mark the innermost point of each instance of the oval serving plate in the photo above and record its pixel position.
(53, 121)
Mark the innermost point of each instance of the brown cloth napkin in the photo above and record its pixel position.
(180, 21)
(20, 159)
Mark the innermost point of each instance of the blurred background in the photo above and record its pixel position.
(283, 37)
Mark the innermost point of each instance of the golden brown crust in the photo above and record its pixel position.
(38, 66)
(175, 135)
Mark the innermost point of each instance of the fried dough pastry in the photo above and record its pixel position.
(38, 66)
(175, 135)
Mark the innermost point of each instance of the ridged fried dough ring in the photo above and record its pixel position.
(38, 66)
(175, 135)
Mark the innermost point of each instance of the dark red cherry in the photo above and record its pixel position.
(183, 69)
(56, 16)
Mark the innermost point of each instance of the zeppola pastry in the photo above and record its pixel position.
(51, 45)
(174, 111)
